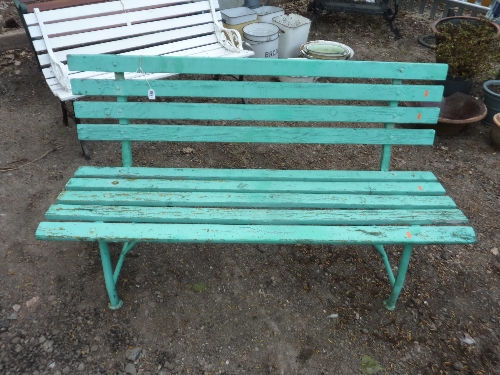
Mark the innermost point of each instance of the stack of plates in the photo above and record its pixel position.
(326, 50)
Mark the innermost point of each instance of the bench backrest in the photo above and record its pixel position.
(156, 27)
(369, 102)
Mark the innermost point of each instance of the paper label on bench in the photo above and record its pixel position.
(151, 94)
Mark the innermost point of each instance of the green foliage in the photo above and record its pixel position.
(369, 366)
(199, 287)
(470, 49)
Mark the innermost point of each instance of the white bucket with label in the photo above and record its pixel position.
(263, 37)
(294, 32)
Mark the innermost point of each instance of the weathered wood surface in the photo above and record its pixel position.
(256, 112)
(253, 174)
(274, 234)
(265, 67)
(208, 215)
(277, 200)
(248, 134)
(261, 90)
(263, 186)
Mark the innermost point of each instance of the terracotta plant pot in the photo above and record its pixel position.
(457, 111)
(495, 131)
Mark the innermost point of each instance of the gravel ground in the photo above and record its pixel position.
(253, 309)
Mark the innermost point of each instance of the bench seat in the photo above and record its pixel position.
(254, 206)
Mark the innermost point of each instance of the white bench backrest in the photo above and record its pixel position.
(121, 26)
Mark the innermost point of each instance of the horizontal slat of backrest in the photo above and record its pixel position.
(115, 20)
(59, 4)
(254, 112)
(262, 90)
(253, 134)
(94, 10)
(260, 67)
(143, 42)
(123, 32)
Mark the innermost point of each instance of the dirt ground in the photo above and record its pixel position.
(265, 309)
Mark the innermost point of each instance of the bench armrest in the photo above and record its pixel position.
(60, 70)
(228, 38)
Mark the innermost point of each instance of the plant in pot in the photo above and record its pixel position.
(470, 46)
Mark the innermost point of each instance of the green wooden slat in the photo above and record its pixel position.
(269, 186)
(252, 134)
(255, 112)
(282, 200)
(269, 234)
(259, 67)
(252, 216)
(259, 90)
(253, 174)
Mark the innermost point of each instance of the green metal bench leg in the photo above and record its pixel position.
(114, 302)
(390, 303)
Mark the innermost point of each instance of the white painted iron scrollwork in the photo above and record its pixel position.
(60, 70)
(228, 38)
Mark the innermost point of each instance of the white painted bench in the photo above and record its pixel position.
(128, 27)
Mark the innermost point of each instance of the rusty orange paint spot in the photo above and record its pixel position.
(419, 116)
(420, 187)
(426, 93)
(408, 234)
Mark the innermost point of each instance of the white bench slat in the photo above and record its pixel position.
(123, 32)
(96, 9)
(212, 50)
(115, 20)
(138, 44)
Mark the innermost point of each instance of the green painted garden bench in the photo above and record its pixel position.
(139, 204)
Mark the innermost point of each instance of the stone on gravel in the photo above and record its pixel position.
(42, 339)
(15, 340)
(133, 354)
(81, 366)
(16, 307)
(51, 298)
(130, 369)
(66, 370)
(458, 366)
(12, 317)
(32, 302)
